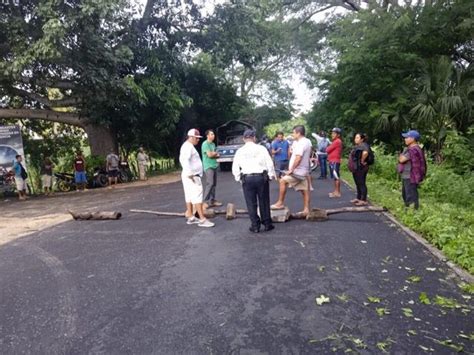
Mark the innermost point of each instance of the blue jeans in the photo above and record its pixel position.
(280, 166)
(80, 177)
(323, 165)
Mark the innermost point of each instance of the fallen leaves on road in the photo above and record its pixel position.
(321, 300)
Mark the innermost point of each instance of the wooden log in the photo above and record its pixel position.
(98, 215)
(230, 211)
(319, 214)
(356, 209)
(160, 213)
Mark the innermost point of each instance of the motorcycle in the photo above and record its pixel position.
(314, 161)
(65, 182)
(125, 174)
(7, 181)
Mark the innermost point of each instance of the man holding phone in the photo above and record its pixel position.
(280, 153)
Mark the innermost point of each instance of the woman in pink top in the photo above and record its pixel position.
(334, 151)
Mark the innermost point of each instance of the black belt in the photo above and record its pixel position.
(256, 174)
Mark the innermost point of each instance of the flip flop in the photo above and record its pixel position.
(331, 195)
(275, 207)
(355, 200)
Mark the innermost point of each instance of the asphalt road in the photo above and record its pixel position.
(147, 284)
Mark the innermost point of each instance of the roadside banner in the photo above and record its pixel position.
(11, 145)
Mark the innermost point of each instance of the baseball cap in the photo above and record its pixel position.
(336, 130)
(249, 133)
(193, 132)
(412, 134)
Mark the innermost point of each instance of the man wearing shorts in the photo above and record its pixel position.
(299, 169)
(47, 176)
(113, 162)
(80, 171)
(20, 177)
(191, 178)
(334, 151)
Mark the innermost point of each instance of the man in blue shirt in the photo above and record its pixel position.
(20, 177)
(280, 152)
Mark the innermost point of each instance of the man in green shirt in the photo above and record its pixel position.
(209, 162)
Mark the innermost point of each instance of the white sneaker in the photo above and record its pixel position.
(206, 223)
(192, 220)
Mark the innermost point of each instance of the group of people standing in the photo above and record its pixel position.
(112, 167)
(289, 163)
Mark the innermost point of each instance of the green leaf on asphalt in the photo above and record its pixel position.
(358, 342)
(385, 345)
(468, 288)
(321, 268)
(412, 332)
(321, 300)
(407, 312)
(414, 278)
(466, 336)
(449, 343)
(382, 311)
(446, 302)
(424, 298)
(373, 299)
(344, 298)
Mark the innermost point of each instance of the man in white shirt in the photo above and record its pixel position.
(143, 160)
(298, 172)
(191, 178)
(253, 166)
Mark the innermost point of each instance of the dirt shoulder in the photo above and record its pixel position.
(20, 218)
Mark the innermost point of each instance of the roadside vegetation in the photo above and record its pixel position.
(445, 217)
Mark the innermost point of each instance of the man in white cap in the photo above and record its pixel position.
(191, 178)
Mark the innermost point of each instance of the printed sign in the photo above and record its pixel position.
(11, 145)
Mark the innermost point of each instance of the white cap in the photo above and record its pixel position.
(193, 132)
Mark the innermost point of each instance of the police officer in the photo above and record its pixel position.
(253, 166)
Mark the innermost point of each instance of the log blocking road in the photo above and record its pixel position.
(147, 284)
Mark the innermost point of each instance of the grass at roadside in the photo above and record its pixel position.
(445, 217)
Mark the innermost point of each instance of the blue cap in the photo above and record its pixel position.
(249, 133)
(412, 134)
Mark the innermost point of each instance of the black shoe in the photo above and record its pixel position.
(269, 228)
(254, 229)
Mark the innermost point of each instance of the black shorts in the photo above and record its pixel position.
(112, 173)
(334, 170)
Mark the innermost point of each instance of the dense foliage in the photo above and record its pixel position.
(445, 217)
(407, 67)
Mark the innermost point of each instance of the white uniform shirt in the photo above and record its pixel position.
(252, 159)
(190, 160)
(301, 147)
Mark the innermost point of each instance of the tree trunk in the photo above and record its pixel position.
(101, 139)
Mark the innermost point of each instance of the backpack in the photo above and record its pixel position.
(23, 174)
(371, 157)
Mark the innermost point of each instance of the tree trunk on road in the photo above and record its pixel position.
(101, 138)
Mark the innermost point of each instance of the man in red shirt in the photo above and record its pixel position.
(80, 171)
(334, 151)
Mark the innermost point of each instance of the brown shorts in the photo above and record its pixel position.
(297, 184)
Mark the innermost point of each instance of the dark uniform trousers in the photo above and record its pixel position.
(256, 188)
